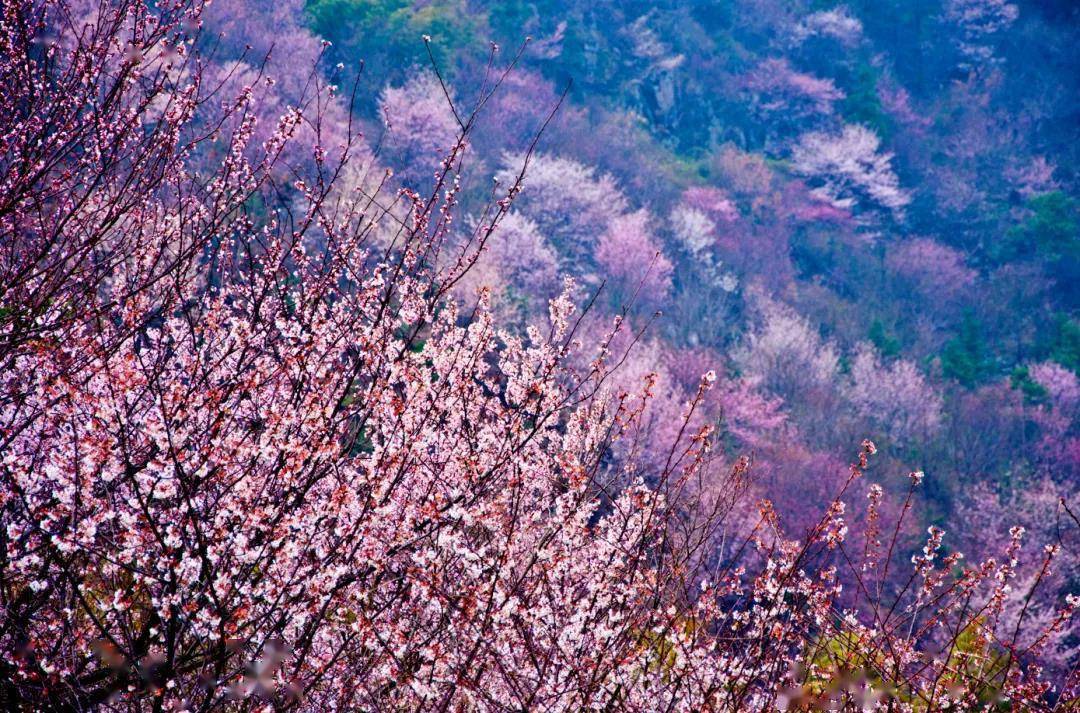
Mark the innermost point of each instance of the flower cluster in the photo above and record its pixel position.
(254, 452)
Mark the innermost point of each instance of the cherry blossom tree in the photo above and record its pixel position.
(628, 253)
(215, 491)
(849, 169)
(1061, 384)
(69, 218)
(420, 126)
(787, 353)
(1058, 417)
(1034, 177)
(696, 221)
(979, 21)
(787, 98)
(519, 267)
(570, 203)
(898, 102)
(712, 201)
(894, 396)
(1041, 507)
(252, 30)
(836, 23)
(931, 268)
(513, 115)
(692, 228)
(749, 414)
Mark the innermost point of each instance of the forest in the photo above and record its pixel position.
(865, 214)
(539, 355)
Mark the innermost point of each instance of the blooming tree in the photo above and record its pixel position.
(519, 267)
(420, 125)
(1061, 384)
(1041, 507)
(849, 169)
(694, 230)
(570, 203)
(513, 115)
(898, 102)
(895, 396)
(695, 222)
(781, 92)
(628, 253)
(787, 353)
(837, 24)
(931, 268)
(251, 30)
(712, 201)
(979, 21)
(1034, 177)
(1058, 418)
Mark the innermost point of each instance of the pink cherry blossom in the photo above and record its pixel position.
(628, 253)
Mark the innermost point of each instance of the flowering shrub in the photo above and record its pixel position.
(236, 471)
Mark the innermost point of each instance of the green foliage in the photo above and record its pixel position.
(714, 16)
(1053, 226)
(1050, 232)
(388, 34)
(978, 668)
(360, 443)
(965, 357)
(862, 105)
(908, 31)
(1020, 379)
(888, 345)
(975, 668)
(836, 664)
(515, 15)
(1066, 346)
(1058, 341)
